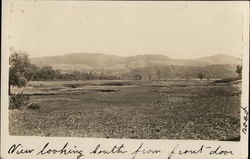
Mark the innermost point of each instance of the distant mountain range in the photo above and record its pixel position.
(102, 62)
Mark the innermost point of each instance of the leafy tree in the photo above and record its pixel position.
(46, 73)
(159, 75)
(200, 76)
(149, 76)
(239, 70)
(20, 70)
(138, 77)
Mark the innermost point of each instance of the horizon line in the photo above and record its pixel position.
(136, 55)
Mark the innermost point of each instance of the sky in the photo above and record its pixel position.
(183, 30)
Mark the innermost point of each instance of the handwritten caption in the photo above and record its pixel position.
(245, 120)
(78, 153)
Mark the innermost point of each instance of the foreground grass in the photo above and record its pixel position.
(135, 109)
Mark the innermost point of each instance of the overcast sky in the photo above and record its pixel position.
(126, 28)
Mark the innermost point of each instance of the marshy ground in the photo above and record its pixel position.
(174, 109)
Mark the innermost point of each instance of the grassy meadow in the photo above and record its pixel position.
(174, 109)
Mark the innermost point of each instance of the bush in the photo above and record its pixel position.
(19, 100)
(34, 106)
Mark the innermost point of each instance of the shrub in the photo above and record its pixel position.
(34, 106)
(239, 70)
(18, 101)
(115, 84)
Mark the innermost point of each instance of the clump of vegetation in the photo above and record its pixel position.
(239, 70)
(74, 85)
(115, 84)
(34, 106)
(200, 75)
(19, 100)
(108, 90)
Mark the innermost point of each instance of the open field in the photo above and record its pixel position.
(131, 109)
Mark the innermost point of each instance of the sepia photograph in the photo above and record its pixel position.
(169, 72)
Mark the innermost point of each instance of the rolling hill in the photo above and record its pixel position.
(96, 62)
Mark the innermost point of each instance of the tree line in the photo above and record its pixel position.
(21, 71)
(184, 72)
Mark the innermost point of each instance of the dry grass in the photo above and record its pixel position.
(135, 109)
